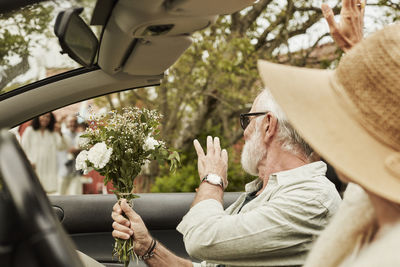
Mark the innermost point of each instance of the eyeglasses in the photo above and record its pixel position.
(245, 118)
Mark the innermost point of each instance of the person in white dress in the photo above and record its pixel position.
(41, 143)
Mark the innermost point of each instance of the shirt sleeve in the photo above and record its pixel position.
(282, 226)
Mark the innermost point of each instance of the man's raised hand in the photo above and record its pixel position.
(215, 161)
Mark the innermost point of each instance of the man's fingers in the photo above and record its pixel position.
(346, 4)
(122, 228)
(217, 146)
(199, 149)
(330, 17)
(132, 215)
(117, 208)
(120, 219)
(210, 145)
(118, 234)
(340, 41)
(353, 4)
(363, 3)
(333, 26)
(224, 156)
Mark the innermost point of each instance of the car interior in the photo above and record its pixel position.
(33, 236)
(139, 41)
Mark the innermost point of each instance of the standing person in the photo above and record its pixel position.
(61, 158)
(40, 143)
(274, 223)
(351, 116)
(71, 183)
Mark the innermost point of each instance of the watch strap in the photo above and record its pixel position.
(206, 180)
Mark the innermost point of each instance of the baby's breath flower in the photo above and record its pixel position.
(83, 142)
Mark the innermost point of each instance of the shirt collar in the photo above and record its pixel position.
(254, 185)
(310, 170)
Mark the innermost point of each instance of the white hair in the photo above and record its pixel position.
(252, 152)
(291, 140)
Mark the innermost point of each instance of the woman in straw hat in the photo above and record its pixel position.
(351, 116)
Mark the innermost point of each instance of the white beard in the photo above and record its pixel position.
(253, 152)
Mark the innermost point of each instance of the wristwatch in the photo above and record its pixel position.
(213, 179)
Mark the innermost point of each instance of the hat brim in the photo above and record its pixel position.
(313, 108)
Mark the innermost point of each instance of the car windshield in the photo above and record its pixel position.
(29, 49)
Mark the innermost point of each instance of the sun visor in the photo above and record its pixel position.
(206, 7)
(140, 32)
(154, 55)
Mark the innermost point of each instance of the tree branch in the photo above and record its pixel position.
(255, 12)
(12, 72)
(261, 41)
(387, 3)
(311, 49)
(236, 22)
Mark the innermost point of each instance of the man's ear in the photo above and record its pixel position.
(270, 125)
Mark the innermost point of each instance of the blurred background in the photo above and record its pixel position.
(201, 94)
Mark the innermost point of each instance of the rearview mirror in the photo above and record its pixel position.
(75, 37)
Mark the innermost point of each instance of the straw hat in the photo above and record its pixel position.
(350, 116)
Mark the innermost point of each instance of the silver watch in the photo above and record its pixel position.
(213, 179)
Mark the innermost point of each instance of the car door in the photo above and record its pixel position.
(87, 219)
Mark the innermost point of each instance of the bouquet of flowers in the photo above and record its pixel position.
(117, 146)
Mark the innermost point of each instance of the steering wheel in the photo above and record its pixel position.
(35, 236)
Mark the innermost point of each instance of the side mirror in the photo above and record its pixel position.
(75, 37)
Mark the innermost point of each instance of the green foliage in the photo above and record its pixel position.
(18, 34)
(183, 180)
(186, 178)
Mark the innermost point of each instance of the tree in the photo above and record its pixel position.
(17, 38)
(217, 79)
(24, 30)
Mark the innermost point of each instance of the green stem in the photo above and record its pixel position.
(123, 249)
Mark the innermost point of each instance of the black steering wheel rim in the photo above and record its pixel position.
(43, 234)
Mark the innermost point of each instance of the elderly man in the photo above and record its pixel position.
(273, 223)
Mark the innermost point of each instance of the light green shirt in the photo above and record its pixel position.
(277, 228)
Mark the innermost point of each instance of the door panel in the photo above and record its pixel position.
(87, 219)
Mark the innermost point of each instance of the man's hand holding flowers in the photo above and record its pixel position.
(133, 226)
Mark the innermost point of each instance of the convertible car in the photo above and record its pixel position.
(139, 41)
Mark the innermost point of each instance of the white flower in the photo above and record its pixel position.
(99, 155)
(80, 163)
(150, 143)
(83, 142)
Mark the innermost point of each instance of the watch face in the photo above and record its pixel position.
(214, 179)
